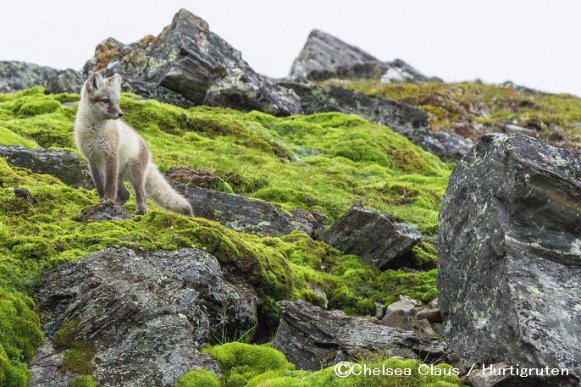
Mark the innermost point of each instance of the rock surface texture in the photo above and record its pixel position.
(243, 214)
(186, 65)
(325, 56)
(376, 237)
(312, 338)
(510, 256)
(59, 163)
(144, 314)
(16, 76)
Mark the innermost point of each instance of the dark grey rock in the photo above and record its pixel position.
(146, 314)
(312, 338)
(59, 163)
(401, 118)
(325, 56)
(16, 76)
(22, 193)
(187, 65)
(510, 255)
(242, 214)
(104, 211)
(376, 237)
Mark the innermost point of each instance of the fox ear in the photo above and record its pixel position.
(114, 81)
(95, 82)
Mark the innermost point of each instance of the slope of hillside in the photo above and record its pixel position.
(324, 162)
(472, 109)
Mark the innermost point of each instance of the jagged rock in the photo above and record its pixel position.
(146, 314)
(312, 338)
(21, 75)
(324, 56)
(401, 118)
(187, 65)
(432, 315)
(104, 211)
(400, 313)
(59, 163)
(510, 257)
(373, 236)
(195, 177)
(240, 213)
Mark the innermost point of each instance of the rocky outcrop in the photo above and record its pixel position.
(376, 237)
(243, 214)
(510, 256)
(186, 65)
(143, 315)
(104, 211)
(401, 118)
(324, 56)
(16, 76)
(59, 163)
(312, 338)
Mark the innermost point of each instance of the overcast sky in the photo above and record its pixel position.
(535, 43)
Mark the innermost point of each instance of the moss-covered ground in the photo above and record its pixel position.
(262, 366)
(555, 118)
(323, 162)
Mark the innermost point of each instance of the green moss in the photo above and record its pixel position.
(7, 137)
(84, 381)
(199, 378)
(241, 362)
(78, 353)
(12, 373)
(253, 365)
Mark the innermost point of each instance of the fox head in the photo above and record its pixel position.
(102, 95)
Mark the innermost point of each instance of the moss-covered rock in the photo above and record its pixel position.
(199, 378)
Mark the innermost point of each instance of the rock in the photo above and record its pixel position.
(22, 193)
(104, 211)
(16, 76)
(187, 65)
(196, 177)
(515, 129)
(240, 213)
(373, 236)
(312, 338)
(379, 310)
(319, 293)
(59, 163)
(146, 314)
(432, 315)
(401, 118)
(399, 314)
(510, 257)
(324, 56)
(423, 327)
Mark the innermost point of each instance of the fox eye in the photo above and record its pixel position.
(105, 100)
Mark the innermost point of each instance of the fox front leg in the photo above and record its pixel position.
(98, 179)
(111, 177)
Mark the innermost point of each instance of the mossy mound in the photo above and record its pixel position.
(554, 117)
(262, 366)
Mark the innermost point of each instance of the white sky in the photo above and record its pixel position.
(534, 43)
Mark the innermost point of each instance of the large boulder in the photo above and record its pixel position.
(243, 214)
(374, 236)
(186, 65)
(311, 338)
(510, 256)
(142, 315)
(325, 56)
(62, 164)
(21, 75)
(406, 120)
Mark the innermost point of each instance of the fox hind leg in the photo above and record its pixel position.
(138, 182)
(122, 193)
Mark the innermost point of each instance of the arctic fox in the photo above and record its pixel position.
(115, 152)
